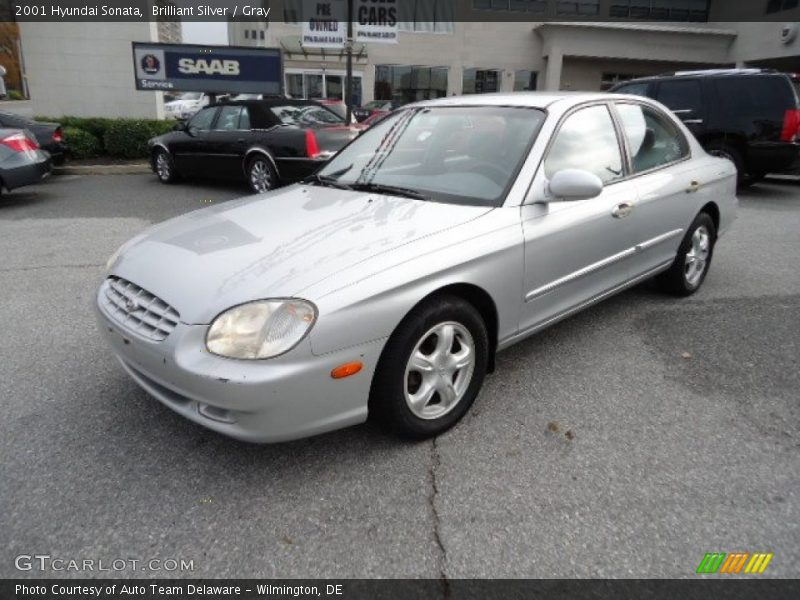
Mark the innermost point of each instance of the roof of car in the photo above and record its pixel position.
(267, 102)
(529, 99)
(708, 73)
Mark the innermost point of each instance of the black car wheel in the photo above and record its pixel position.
(260, 175)
(431, 369)
(164, 167)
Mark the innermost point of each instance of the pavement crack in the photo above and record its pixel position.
(41, 267)
(437, 538)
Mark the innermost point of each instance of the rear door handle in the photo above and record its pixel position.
(622, 210)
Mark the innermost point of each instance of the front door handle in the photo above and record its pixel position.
(693, 187)
(622, 210)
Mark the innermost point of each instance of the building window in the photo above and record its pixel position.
(426, 16)
(404, 84)
(261, 34)
(660, 10)
(534, 6)
(247, 34)
(609, 80)
(481, 81)
(525, 81)
(581, 8)
(774, 6)
(292, 11)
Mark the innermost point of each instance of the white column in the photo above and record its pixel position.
(555, 62)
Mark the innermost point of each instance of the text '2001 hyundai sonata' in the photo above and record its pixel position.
(383, 285)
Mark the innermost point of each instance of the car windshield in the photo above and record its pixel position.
(376, 104)
(465, 155)
(304, 115)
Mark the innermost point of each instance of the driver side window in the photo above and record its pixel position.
(203, 119)
(587, 140)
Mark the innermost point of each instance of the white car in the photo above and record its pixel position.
(186, 105)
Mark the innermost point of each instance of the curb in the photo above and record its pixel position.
(130, 169)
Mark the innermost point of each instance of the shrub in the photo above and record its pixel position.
(15, 95)
(127, 138)
(82, 144)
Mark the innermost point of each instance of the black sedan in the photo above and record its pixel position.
(267, 142)
(22, 162)
(49, 136)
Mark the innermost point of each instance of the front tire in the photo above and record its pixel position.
(693, 260)
(164, 167)
(432, 368)
(261, 177)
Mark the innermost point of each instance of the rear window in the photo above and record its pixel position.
(305, 115)
(683, 97)
(756, 97)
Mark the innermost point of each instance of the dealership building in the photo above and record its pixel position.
(444, 47)
(448, 47)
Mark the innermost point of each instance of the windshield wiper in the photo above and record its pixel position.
(391, 190)
(326, 181)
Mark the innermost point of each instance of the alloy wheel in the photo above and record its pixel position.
(697, 256)
(439, 370)
(163, 168)
(260, 176)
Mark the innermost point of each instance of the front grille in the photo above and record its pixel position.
(138, 310)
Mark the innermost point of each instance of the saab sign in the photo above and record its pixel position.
(212, 69)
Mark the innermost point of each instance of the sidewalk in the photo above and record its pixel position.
(102, 166)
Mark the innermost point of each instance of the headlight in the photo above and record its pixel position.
(262, 329)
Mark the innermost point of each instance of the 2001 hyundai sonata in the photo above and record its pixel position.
(385, 284)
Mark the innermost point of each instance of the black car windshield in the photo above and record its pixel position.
(467, 155)
(304, 115)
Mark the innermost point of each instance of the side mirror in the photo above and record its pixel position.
(574, 184)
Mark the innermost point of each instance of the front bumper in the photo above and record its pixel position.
(285, 398)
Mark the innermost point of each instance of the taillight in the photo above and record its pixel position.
(312, 147)
(791, 126)
(19, 142)
(58, 137)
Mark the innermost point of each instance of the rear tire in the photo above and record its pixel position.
(431, 369)
(164, 167)
(693, 259)
(261, 176)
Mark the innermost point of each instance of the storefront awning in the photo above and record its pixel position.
(293, 47)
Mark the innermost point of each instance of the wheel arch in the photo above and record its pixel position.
(248, 156)
(483, 303)
(712, 210)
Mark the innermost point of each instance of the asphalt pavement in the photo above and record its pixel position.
(627, 441)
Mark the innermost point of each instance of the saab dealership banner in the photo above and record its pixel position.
(213, 69)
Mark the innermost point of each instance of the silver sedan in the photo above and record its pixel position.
(384, 285)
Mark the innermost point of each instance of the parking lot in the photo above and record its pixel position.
(627, 441)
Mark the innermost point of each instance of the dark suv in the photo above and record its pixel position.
(750, 116)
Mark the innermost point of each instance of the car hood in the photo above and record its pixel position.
(274, 245)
